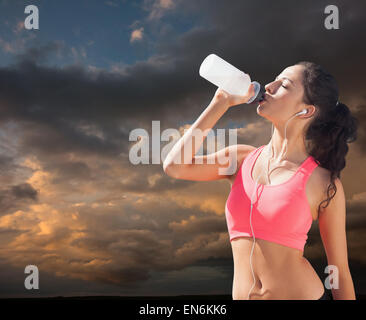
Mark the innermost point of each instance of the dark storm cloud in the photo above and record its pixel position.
(69, 170)
(15, 197)
(52, 105)
(6, 164)
(201, 225)
(24, 191)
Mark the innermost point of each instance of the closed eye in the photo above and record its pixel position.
(284, 87)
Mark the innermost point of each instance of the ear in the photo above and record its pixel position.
(312, 110)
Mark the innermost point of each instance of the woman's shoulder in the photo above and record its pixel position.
(322, 175)
(319, 181)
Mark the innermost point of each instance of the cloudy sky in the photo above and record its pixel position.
(72, 203)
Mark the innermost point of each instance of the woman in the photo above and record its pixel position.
(270, 208)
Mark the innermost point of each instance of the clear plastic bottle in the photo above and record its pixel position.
(227, 77)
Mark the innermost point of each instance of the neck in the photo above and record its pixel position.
(295, 150)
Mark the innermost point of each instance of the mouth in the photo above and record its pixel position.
(263, 99)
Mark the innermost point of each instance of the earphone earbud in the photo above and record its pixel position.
(304, 111)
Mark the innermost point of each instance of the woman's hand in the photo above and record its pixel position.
(234, 99)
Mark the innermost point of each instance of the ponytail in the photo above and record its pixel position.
(332, 128)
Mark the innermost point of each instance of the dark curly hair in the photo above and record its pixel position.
(333, 125)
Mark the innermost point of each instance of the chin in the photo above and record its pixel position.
(261, 111)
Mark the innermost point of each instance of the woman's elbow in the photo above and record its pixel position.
(172, 170)
(169, 169)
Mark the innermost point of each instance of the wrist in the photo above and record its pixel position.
(220, 103)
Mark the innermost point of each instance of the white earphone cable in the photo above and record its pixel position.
(270, 148)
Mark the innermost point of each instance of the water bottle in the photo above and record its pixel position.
(227, 77)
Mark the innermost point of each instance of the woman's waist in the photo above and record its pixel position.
(268, 273)
(274, 277)
(298, 290)
(268, 259)
(277, 288)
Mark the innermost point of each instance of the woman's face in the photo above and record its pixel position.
(284, 96)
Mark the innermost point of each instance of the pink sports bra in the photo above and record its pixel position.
(280, 214)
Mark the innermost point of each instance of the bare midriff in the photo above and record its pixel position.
(281, 273)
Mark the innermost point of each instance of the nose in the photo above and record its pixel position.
(270, 87)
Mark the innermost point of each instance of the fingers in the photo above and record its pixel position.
(251, 90)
